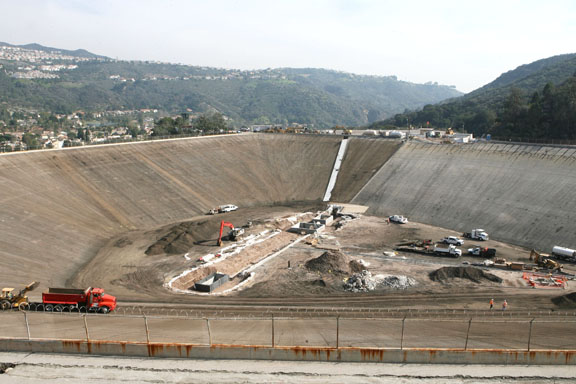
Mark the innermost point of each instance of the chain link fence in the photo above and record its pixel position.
(522, 334)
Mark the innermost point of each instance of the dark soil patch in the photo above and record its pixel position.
(565, 301)
(180, 238)
(356, 267)
(333, 262)
(5, 366)
(446, 274)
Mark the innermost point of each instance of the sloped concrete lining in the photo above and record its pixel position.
(61, 206)
(363, 158)
(522, 194)
(257, 352)
(336, 169)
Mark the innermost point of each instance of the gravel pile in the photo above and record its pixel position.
(364, 282)
(396, 282)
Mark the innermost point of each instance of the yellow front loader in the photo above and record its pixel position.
(10, 299)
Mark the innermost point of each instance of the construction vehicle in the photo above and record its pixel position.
(223, 209)
(232, 235)
(11, 300)
(435, 250)
(476, 234)
(482, 252)
(68, 299)
(452, 240)
(447, 250)
(564, 253)
(398, 219)
(449, 131)
(543, 261)
(65, 299)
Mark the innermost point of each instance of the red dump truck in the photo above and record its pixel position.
(67, 299)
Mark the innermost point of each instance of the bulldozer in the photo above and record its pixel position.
(9, 299)
(543, 261)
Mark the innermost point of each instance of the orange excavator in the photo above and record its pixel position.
(232, 235)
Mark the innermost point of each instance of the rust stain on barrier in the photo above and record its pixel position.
(72, 343)
(153, 349)
(319, 353)
(371, 354)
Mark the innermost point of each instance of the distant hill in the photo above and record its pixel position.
(314, 96)
(482, 110)
(37, 47)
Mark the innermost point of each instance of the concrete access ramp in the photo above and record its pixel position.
(60, 206)
(522, 194)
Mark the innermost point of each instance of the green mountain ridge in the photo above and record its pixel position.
(482, 111)
(320, 97)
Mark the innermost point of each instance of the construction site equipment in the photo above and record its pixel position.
(564, 253)
(448, 250)
(476, 234)
(11, 300)
(415, 243)
(222, 209)
(545, 280)
(449, 131)
(232, 235)
(543, 261)
(482, 252)
(92, 299)
(211, 282)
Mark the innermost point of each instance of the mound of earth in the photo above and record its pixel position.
(180, 238)
(447, 274)
(565, 301)
(334, 262)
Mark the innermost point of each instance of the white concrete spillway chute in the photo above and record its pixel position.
(336, 169)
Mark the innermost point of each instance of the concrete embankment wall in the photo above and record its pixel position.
(408, 356)
(364, 157)
(522, 194)
(60, 206)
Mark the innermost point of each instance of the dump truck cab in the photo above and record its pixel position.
(101, 301)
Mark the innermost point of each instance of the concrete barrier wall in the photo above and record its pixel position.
(410, 356)
(523, 194)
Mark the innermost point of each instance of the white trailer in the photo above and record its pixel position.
(564, 253)
(477, 234)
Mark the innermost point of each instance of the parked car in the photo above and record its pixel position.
(227, 208)
(452, 240)
(398, 219)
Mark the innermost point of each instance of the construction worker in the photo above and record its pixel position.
(504, 305)
(491, 303)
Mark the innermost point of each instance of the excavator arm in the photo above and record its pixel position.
(222, 225)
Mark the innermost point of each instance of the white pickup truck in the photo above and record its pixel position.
(447, 250)
(452, 240)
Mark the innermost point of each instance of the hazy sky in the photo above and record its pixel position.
(464, 43)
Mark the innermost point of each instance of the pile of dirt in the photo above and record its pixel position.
(180, 238)
(565, 301)
(334, 262)
(356, 266)
(447, 274)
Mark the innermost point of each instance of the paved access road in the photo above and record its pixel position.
(44, 368)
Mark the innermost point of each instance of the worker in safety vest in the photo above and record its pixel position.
(504, 305)
(491, 303)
